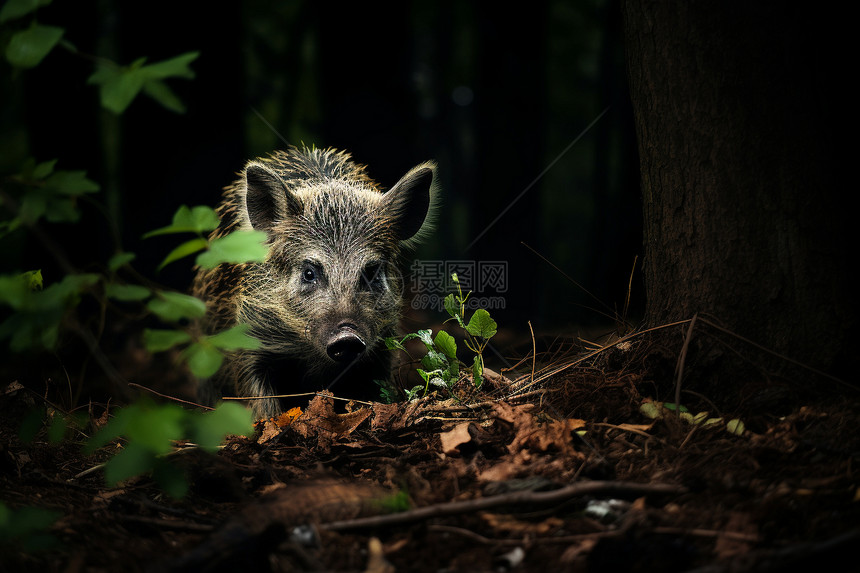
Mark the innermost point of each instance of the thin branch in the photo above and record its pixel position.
(681, 360)
(167, 397)
(514, 498)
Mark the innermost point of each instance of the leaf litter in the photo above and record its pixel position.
(560, 467)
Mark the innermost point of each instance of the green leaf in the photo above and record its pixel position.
(229, 418)
(37, 315)
(33, 205)
(176, 67)
(174, 306)
(133, 460)
(203, 359)
(71, 183)
(42, 170)
(126, 293)
(198, 220)
(235, 338)
(28, 47)
(482, 325)
(32, 279)
(158, 90)
(672, 406)
(52, 197)
(409, 336)
(120, 259)
(392, 343)
(154, 427)
(434, 361)
(452, 306)
(477, 372)
(118, 86)
(14, 290)
(159, 340)
(414, 392)
(61, 211)
(16, 8)
(446, 343)
(453, 372)
(183, 250)
(426, 336)
(237, 247)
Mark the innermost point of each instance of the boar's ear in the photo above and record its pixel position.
(267, 197)
(410, 204)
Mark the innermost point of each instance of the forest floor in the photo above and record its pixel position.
(582, 471)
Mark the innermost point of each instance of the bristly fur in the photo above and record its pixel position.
(323, 215)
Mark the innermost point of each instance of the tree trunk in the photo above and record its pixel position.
(743, 213)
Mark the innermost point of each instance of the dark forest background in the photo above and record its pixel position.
(501, 99)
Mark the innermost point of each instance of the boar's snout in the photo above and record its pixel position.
(345, 345)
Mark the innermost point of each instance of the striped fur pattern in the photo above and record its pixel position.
(330, 288)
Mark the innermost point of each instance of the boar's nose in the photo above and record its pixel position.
(345, 345)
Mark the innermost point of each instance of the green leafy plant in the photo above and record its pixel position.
(440, 366)
(203, 353)
(34, 313)
(149, 433)
(39, 193)
(119, 85)
(480, 328)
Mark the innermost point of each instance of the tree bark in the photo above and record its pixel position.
(743, 212)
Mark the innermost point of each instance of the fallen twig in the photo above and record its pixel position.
(514, 498)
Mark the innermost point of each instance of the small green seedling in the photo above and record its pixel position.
(440, 366)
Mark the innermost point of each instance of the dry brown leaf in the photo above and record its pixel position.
(322, 422)
(386, 416)
(545, 436)
(270, 430)
(454, 438)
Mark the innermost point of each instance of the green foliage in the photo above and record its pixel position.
(29, 47)
(206, 355)
(236, 247)
(203, 354)
(44, 193)
(480, 328)
(25, 528)
(440, 366)
(150, 432)
(37, 313)
(119, 85)
(33, 313)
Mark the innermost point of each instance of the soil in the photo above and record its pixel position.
(570, 463)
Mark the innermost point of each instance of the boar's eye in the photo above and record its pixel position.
(310, 274)
(373, 277)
